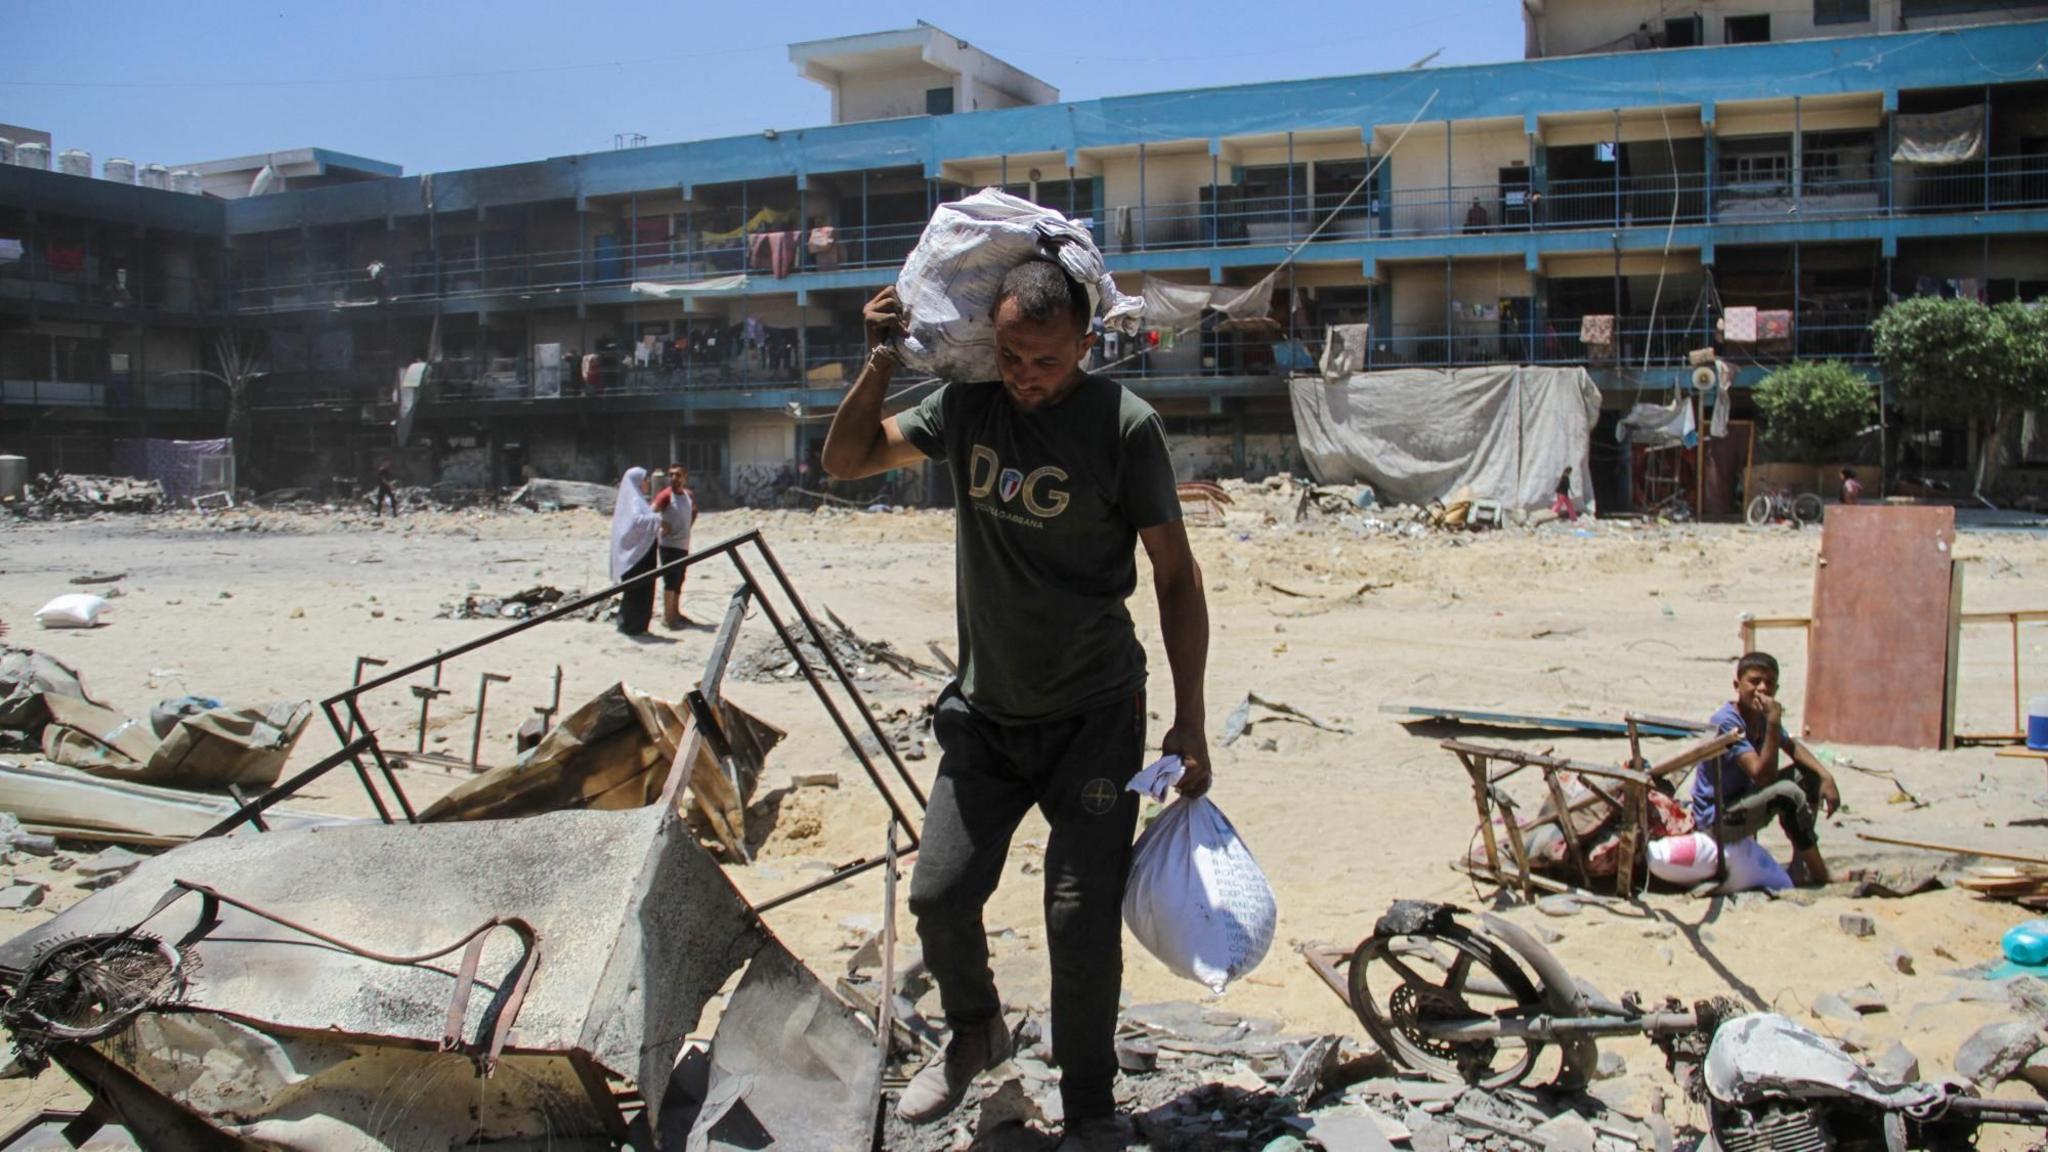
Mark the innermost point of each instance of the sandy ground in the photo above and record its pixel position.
(260, 605)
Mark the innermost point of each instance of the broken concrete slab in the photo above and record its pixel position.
(1897, 1064)
(1566, 1132)
(1857, 924)
(1347, 1128)
(1995, 1051)
(115, 861)
(21, 895)
(1899, 960)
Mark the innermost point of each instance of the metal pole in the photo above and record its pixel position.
(1141, 197)
(1798, 165)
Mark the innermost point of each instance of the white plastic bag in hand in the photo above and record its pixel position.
(1196, 899)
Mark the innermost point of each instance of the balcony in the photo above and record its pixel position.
(70, 276)
(1213, 222)
(115, 395)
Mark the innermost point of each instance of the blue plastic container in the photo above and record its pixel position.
(2037, 723)
(2027, 943)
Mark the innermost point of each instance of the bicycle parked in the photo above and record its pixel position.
(1779, 504)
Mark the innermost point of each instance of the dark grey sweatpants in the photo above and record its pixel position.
(990, 775)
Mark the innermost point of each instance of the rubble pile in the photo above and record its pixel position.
(516, 606)
(1198, 1078)
(68, 496)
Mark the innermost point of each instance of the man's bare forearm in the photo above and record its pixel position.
(1184, 622)
(855, 438)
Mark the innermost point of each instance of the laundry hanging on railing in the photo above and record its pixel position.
(1773, 325)
(1738, 325)
(690, 288)
(764, 220)
(1343, 350)
(1596, 331)
(1171, 305)
(776, 251)
(1952, 137)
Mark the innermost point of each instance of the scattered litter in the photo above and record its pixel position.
(1240, 720)
(100, 578)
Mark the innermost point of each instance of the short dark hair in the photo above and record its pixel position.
(1764, 660)
(1043, 290)
(1848, 473)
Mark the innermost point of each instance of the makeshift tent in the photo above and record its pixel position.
(185, 468)
(1419, 435)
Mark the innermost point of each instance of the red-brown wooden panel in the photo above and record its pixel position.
(1878, 661)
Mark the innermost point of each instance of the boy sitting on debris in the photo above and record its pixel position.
(1745, 786)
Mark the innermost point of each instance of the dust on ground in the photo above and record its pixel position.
(1329, 616)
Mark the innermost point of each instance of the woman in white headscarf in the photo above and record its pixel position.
(636, 527)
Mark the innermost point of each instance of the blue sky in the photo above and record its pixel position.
(435, 85)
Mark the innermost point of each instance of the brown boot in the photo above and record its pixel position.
(939, 1089)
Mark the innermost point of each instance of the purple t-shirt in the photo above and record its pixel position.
(1722, 780)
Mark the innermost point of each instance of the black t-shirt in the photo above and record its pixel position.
(1049, 508)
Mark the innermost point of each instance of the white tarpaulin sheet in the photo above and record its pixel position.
(1952, 137)
(949, 282)
(1421, 434)
(1170, 305)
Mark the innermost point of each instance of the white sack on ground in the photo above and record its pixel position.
(948, 284)
(1421, 434)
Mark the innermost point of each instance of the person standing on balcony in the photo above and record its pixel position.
(636, 529)
(1062, 475)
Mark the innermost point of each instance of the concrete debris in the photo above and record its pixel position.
(1995, 1051)
(1897, 1064)
(114, 861)
(1899, 960)
(516, 606)
(1832, 1007)
(1612, 1065)
(68, 496)
(554, 495)
(22, 894)
(1857, 924)
(1864, 999)
(1558, 904)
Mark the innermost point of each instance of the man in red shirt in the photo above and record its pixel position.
(677, 507)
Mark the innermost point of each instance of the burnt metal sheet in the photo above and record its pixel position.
(638, 929)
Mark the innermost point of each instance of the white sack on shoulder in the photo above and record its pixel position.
(71, 610)
(1197, 899)
(948, 284)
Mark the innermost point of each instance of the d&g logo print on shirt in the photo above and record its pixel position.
(987, 477)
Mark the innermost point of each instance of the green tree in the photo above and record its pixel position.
(1813, 409)
(1958, 361)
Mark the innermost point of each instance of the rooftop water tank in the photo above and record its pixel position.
(156, 176)
(74, 162)
(118, 170)
(32, 155)
(185, 180)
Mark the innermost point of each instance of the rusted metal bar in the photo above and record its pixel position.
(1564, 824)
(832, 707)
(252, 810)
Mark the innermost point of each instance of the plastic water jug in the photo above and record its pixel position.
(2027, 943)
(2037, 723)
